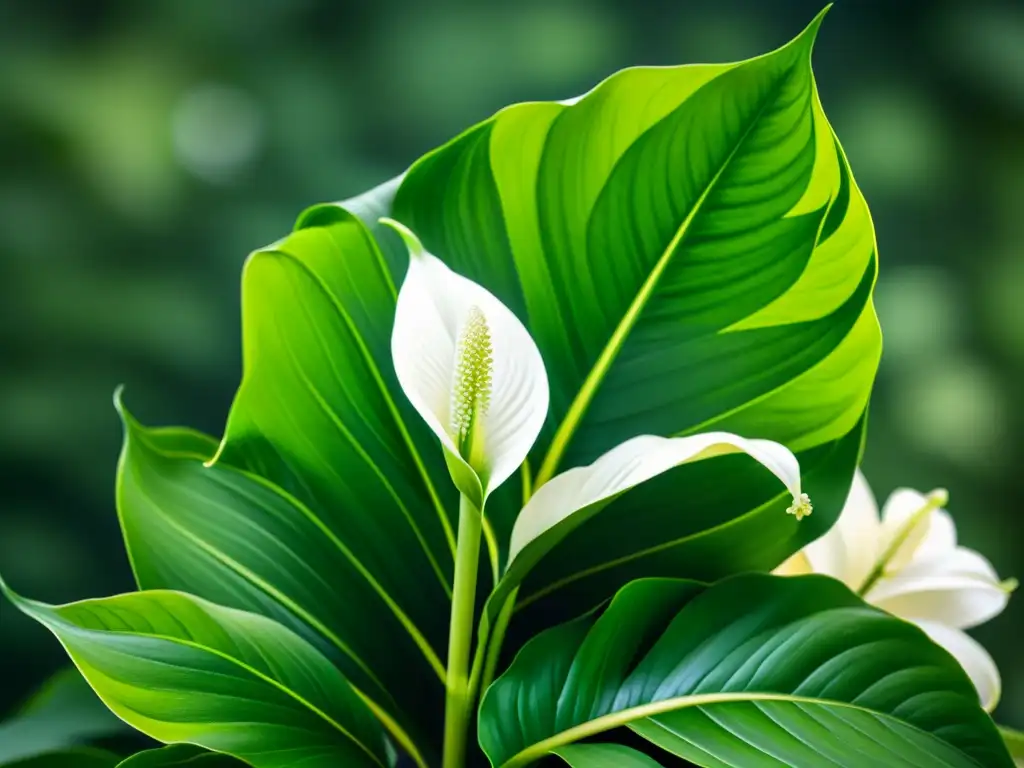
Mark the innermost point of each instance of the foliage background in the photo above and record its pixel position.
(146, 148)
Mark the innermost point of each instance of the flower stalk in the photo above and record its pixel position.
(458, 695)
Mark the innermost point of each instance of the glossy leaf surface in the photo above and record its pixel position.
(179, 668)
(756, 671)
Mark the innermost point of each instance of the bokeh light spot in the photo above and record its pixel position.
(218, 130)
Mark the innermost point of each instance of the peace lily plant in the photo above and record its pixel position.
(482, 496)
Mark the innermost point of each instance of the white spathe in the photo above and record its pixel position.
(569, 499)
(437, 311)
(907, 561)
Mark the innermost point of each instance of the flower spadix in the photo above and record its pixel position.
(907, 561)
(470, 369)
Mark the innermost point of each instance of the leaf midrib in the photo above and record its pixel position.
(577, 409)
(623, 717)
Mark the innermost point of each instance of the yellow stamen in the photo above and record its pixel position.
(801, 506)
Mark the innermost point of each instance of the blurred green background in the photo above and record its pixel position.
(146, 148)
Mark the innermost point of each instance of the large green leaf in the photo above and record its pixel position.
(686, 244)
(690, 251)
(756, 671)
(179, 668)
(180, 756)
(65, 711)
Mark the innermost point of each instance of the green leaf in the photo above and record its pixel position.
(236, 539)
(327, 503)
(686, 243)
(70, 758)
(754, 671)
(603, 756)
(181, 755)
(65, 711)
(1014, 741)
(687, 536)
(179, 668)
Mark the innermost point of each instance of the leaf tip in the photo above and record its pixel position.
(119, 399)
(129, 422)
(810, 32)
(408, 236)
(6, 591)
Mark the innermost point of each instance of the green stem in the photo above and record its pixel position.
(497, 638)
(458, 697)
(478, 660)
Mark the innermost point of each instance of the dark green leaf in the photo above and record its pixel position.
(65, 711)
(754, 672)
(179, 668)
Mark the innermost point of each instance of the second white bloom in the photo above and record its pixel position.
(907, 561)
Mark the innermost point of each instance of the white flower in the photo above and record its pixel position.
(568, 499)
(907, 562)
(475, 375)
(470, 369)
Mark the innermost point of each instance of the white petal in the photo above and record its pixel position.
(569, 499)
(907, 515)
(519, 399)
(975, 660)
(849, 550)
(959, 588)
(940, 537)
(434, 305)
